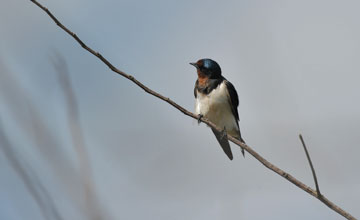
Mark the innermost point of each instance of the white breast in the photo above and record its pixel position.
(216, 107)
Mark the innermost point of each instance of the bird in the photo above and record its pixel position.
(217, 100)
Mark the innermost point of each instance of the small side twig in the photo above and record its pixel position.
(311, 166)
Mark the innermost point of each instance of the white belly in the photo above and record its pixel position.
(216, 107)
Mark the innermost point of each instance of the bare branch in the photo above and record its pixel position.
(311, 166)
(204, 120)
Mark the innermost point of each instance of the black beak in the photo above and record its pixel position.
(194, 64)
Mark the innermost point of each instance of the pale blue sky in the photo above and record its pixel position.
(295, 65)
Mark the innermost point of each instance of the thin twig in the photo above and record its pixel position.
(311, 166)
(204, 120)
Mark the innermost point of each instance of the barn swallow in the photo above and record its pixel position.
(217, 100)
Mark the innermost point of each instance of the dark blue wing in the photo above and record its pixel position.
(195, 88)
(234, 99)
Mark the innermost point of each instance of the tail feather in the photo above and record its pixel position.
(242, 149)
(224, 143)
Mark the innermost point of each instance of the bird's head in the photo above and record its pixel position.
(207, 68)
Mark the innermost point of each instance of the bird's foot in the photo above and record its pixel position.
(200, 116)
(223, 133)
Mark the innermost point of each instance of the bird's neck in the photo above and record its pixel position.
(205, 85)
(202, 79)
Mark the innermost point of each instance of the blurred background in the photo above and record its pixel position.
(79, 142)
